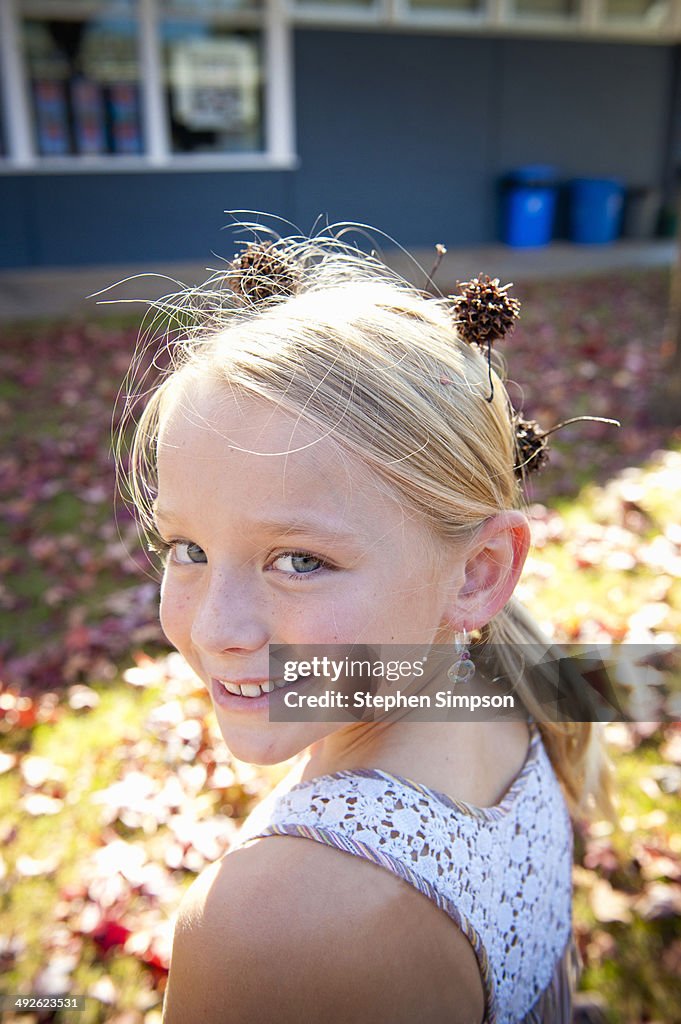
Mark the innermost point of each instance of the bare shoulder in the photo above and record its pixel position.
(289, 930)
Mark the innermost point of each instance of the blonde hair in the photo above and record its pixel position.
(369, 359)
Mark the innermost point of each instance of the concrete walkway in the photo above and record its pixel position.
(70, 292)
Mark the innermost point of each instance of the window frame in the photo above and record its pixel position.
(278, 114)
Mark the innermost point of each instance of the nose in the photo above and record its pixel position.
(230, 615)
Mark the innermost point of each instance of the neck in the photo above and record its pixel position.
(411, 736)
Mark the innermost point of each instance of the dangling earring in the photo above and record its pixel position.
(463, 669)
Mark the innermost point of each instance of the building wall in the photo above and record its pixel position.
(413, 134)
(410, 133)
(78, 220)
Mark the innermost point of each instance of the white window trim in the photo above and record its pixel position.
(14, 92)
(279, 107)
(154, 120)
(279, 130)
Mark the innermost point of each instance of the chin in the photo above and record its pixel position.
(275, 744)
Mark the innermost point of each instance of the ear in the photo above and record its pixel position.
(493, 562)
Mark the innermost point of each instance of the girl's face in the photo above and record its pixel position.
(277, 536)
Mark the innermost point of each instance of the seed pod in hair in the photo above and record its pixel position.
(484, 312)
(532, 442)
(531, 446)
(262, 271)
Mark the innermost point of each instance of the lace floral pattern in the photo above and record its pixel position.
(503, 873)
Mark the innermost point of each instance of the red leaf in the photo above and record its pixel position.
(110, 933)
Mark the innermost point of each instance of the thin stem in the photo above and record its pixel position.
(440, 253)
(489, 370)
(578, 419)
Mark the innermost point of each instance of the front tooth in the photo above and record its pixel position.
(251, 690)
(280, 682)
(232, 688)
(268, 686)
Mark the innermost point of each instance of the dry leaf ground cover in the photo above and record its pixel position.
(114, 789)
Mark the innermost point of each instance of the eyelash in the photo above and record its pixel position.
(298, 576)
(164, 547)
(159, 546)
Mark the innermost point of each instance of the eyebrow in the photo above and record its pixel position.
(279, 527)
(325, 531)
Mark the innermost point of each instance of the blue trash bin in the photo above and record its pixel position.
(595, 210)
(529, 206)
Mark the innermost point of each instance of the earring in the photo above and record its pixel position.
(463, 669)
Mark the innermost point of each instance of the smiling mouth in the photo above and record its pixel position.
(253, 689)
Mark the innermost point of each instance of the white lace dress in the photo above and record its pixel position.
(502, 873)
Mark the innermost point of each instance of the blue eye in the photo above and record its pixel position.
(187, 553)
(299, 563)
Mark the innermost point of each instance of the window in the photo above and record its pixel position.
(212, 82)
(652, 12)
(134, 83)
(451, 6)
(547, 8)
(334, 5)
(83, 79)
(207, 7)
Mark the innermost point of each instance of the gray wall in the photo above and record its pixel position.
(408, 133)
(412, 133)
(611, 103)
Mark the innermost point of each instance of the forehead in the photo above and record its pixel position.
(224, 439)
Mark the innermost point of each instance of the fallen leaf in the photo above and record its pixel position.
(609, 904)
(659, 899)
(31, 867)
(37, 804)
(104, 990)
(36, 771)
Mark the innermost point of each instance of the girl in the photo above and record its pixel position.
(328, 462)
